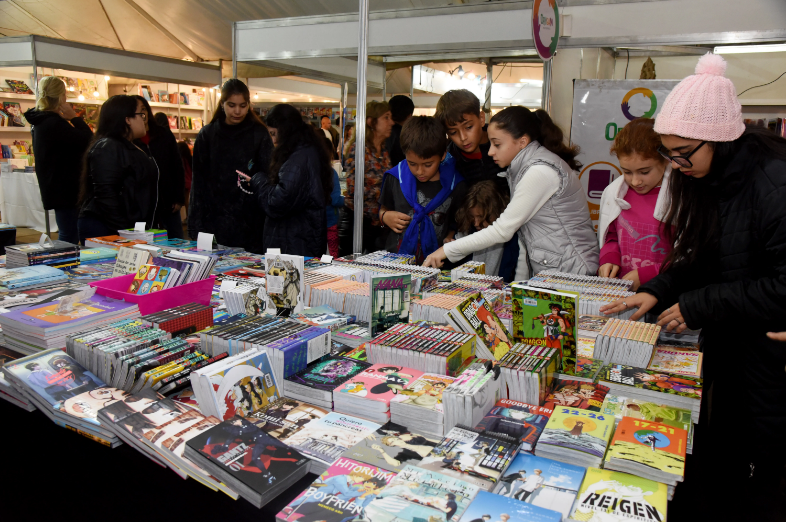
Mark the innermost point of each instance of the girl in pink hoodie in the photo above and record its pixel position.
(632, 236)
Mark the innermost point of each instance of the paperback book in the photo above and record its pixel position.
(523, 422)
(284, 283)
(619, 497)
(576, 436)
(577, 394)
(285, 417)
(392, 446)
(389, 301)
(476, 315)
(503, 508)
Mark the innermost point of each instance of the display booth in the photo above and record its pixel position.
(335, 48)
(92, 74)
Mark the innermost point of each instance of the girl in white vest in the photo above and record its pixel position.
(548, 209)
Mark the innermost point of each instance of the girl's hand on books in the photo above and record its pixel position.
(396, 221)
(672, 319)
(643, 301)
(633, 275)
(777, 336)
(608, 270)
(66, 111)
(436, 258)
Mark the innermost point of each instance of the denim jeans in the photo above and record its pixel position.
(66, 219)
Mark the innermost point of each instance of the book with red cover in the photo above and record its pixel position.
(576, 394)
(378, 383)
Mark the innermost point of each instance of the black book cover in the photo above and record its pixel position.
(328, 373)
(248, 454)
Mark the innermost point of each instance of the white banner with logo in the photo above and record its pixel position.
(601, 108)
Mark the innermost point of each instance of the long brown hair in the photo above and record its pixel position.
(538, 125)
(485, 197)
(374, 110)
(230, 88)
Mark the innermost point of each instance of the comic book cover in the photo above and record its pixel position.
(284, 283)
(425, 392)
(247, 454)
(619, 497)
(504, 508)
(591, 325)
(613, 405)
(358, 353)
(523, 422)
(478, 458)
(326, 439)
(392, 446)
(544, 317)
(186, 396)
(379, 382)
(285, 417)
(542, 482)
(47, 315)
(341, 493)
(328, 373)
(644, 379)
(672, 360)
(579, 430)
(153, 416)
(481, 317)
(129, 405)
(651, 444)
(87, 404)
(585, 346)
(245, 387)
(417, 495)
(389, 301)
(586, 367)
(577, 394)
(649, 411)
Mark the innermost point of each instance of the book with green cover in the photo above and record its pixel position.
(389, 301)
(582, 431)
(543, 317)
(649, 380)
(616, 496)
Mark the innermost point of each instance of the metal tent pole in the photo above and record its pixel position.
(412, 83)
(234, 49)
(545, 102)
(385, 79)
(35, 92)
(342, 106)
(360, 125)
(489, 81)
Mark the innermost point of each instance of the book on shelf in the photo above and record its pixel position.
(542, 482)
(19, 87)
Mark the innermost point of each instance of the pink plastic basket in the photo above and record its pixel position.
(196, 292)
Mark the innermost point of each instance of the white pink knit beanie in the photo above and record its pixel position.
(703, 106)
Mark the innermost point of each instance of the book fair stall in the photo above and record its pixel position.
(375, 386)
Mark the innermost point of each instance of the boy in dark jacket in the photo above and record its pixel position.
(419, 195)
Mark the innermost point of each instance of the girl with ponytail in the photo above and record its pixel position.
(547, 210)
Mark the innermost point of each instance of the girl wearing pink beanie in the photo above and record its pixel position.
(727, 274)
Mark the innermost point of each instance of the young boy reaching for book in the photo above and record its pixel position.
(482, 206)
(630, 231)
(420, 195)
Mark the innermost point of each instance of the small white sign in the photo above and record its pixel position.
(327, 259)
(139, 226)
(274, 251)
(205, 241)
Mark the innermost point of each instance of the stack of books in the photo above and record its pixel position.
(434, 308)
(650, 450)
(29, 329)
(520, 421)
(393, 446)
(315, 279)
(681, 358)
(383, 256)
(353, 335)
(649, 411)
(335, 294)
(324, 317)
(626, 342)
(576, 437)
(678, 391)
(422, 277)
(435, 350)
(89, 256)
(595, 291)
(419, 407)
(112, 242)
(8, 391)
(368, 394)
(31, 277)
(576, 394)
(619, 496)
(184, 319)
(129, 260)
(467, 287)
(148, 236)
(58, 254)
(244, 297)
(528, 372)
(316, 383)
(470, 267)
(471, 395)
(65, 391)
(488, 504)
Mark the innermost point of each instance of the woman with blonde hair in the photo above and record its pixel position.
(60, 139)
(379, 123)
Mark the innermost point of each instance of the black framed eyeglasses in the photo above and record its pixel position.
(144, 116)
(682, 161)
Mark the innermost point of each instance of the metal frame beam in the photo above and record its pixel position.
(163, 30)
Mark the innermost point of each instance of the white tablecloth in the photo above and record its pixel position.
(20, 202)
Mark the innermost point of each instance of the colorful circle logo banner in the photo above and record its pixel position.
(545, 28)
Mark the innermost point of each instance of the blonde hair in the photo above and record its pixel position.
(50, 89)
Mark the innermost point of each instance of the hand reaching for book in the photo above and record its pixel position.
(608, 270)
(643, 301)
(633, 275)
(672, 319)
(777, 336)
(436, 258)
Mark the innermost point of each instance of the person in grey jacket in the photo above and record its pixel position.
(547, 210)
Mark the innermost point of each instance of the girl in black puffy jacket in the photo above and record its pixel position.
(295, 193)
(119, 182)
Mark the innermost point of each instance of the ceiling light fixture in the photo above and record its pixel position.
(107, 78)
(471, 76)
(81, 96)
(741, 49)
(71, 89)
(96, 94)
(256, 96)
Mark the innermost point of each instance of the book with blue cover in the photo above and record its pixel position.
(97, 255)
(29, 275)
(488, 504)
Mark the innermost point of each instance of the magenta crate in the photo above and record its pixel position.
(196, 292)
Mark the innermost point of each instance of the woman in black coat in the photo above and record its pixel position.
(60, 139)
(235, 142)
(162, 146)
(119, 182)
(727, 276)
(295, 193)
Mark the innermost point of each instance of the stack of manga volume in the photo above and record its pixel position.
(434, 350)
(649, 411)
(523, 422)
(184, 319)
(393, 446)
(319, 379)
(419, 407)
(468, 398)
(490, 505)
(284, 283)
(475, 315)
(58, 254)
(470, 267)
(596, 292)
(527, 372)
(324, 317)
(368, 394)
(626, 342)
(315, 279)
(433, 308)
(245, 297)
(341, 295)
(247, 459)
(383, 256)
(467, 287)
(576, 394)
(576, 436)
(284, 417)
(616, 496)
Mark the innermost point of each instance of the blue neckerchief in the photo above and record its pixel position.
(421, 226)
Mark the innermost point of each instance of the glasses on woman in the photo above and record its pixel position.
(682, 161)
(144, 116)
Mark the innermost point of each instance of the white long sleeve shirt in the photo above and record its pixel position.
(532, 192)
